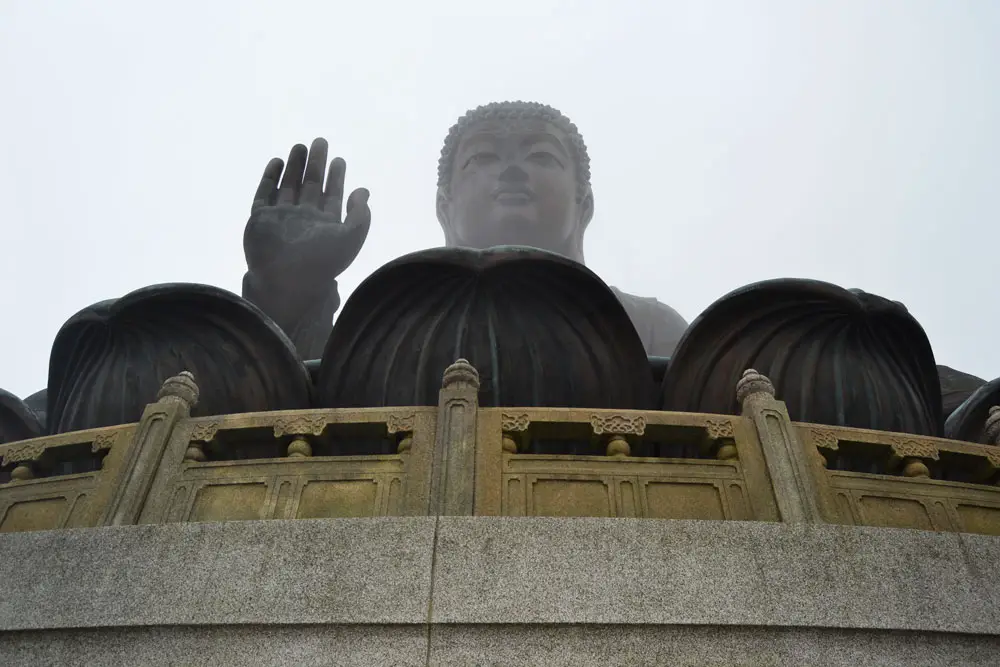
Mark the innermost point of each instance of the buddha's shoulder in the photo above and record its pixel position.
(653, 308)
(659, 325)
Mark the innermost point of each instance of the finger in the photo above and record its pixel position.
(333, 200)
(312, 182)
(291, 183)
(268, 188)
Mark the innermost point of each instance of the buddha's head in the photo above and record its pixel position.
(515, 173)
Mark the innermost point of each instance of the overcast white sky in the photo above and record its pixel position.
(855, 142)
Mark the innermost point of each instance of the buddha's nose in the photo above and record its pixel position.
(514, 174)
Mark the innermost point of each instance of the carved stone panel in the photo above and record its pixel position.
(618, 424)
(204, 431)
(400, 423)
(103, 442)
(29, 451)
(719, 429)
(825, 439)
(300, 425)
(514, 423)
(907, 448)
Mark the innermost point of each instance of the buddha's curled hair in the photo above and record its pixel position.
(514, 111)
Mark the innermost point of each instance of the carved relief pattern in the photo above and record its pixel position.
(825, 439)
(905, 448)
(718, 429)
(461, 372)
(204, 432)
(26, 452)
(303, 425)
(399, 423)
(513, 423)
(751, 383)
(618, 424)
(103, 442)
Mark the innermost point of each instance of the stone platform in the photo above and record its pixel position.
(498, 590)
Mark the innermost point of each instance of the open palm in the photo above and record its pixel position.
(296, 228)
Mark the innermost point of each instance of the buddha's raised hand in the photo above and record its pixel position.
(296, 236)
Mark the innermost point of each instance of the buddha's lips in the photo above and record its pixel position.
(513, 195)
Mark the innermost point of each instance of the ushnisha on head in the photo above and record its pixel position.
(515, 173)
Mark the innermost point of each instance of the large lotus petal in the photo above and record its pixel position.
(541, 330)
(108, 361)
(836, 356)
(17, 420)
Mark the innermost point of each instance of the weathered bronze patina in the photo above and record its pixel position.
(509, 292)
(837, 356)
(108, 359)
(541, 329)
(510, 173)
(495, 376)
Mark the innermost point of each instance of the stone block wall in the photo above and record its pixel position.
(501, 590)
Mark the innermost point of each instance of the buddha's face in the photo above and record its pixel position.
(514, 183)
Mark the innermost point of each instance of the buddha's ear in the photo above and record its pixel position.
(443, 206)
(586, 208)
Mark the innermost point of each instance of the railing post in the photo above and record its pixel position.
(135, 477)
(453, 475)
(792, 470)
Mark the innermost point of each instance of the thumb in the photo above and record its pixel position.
(357, 221)
(358, 213)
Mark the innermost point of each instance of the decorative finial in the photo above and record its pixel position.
(751, 383)
(460, 372)
(992, 428)
(181, 387)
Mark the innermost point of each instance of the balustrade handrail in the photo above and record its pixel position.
(461, 458)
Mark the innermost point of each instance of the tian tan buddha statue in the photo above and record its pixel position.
(510, 174)
(509, 292)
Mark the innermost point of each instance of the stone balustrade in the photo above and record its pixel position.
(459, 459)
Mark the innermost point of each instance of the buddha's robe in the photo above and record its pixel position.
(307, 318)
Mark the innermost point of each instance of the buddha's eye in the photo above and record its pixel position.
(481, 159)
(545, 159)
